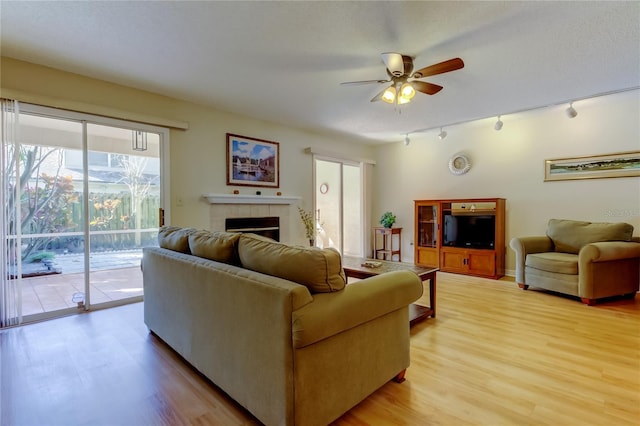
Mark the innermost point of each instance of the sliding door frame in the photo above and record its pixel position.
(86, 119)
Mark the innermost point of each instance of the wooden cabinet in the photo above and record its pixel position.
(464, 236)
(472, 262)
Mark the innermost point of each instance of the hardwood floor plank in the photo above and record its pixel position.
(495, 355)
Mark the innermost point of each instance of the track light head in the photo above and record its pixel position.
(498, 125)
(442, 134)
(407, 141)
(571, 111)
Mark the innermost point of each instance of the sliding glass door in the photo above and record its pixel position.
(338, 201)
(89, 191)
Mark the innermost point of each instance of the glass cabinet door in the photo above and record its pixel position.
(427, 225)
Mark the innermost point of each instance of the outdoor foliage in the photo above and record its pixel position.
(49, 204)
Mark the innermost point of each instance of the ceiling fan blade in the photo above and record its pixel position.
(424, 87)
(440, 68)
(354, 83)
(394, 63)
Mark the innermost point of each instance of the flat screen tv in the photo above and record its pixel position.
(469, 231)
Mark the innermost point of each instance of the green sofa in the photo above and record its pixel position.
(275, 326)
(583, 259)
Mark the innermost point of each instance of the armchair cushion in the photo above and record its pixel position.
(569, 236)
(560, 263)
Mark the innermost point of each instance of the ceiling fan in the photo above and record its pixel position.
(400, 70)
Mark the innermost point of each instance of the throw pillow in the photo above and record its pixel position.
(175, 238)
(320, 270)
(219, 246)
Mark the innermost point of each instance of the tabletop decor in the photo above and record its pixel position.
(388, 219)
(309, 225)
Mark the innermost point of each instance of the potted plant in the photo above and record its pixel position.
(388, 219)
(309, 226)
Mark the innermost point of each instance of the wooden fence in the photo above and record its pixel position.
(112, 222)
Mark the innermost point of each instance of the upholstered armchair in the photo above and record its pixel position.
(583, 259)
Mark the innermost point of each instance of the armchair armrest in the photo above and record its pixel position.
(608, 250)
(608, 268)
(525, 245)
(359, 302)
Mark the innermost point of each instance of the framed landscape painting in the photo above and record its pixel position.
(252, 162)
(623, 164)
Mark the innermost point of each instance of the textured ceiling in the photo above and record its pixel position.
(284, 61)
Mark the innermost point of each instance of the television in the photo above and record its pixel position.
(470, 231)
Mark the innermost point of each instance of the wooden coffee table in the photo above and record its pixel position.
(353, 268)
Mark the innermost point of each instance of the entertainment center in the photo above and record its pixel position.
(464, 236)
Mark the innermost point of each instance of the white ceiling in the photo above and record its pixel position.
(283, 61)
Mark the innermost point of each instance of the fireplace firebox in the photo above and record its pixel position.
(266, 226)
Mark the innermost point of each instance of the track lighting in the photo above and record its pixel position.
(407, 141)
(571, 111)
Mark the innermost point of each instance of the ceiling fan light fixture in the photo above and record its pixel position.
(389, 95)
(407, 91)
(442, 134)
(571, 111)
(498, 125)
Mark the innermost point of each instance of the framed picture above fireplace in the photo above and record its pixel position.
(252, 162)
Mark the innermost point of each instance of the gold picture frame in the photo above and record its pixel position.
(622, 164)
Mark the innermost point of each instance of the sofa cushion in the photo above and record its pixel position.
(318, 269)
(561, 263)
(569, 236)
(218, 245)
(175, 238)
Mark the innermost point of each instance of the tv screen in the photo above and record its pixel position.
(469, 231)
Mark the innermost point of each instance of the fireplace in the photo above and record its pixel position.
(266, 226)
(223, 206)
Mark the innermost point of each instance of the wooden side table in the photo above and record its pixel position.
(383, 239)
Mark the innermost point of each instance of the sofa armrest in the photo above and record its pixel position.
(525, 245)
(359, 302)
(608, 250)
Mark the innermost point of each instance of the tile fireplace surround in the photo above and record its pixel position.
(225, 206)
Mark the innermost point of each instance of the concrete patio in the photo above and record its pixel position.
(114, 276)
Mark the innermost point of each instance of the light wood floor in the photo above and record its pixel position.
(495, 355)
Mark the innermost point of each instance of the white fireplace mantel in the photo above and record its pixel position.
(249, 199)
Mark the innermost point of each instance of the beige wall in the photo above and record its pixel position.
(198, 154)
(509, 164)
(506, 164)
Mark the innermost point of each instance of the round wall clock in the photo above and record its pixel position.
(459, 164)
